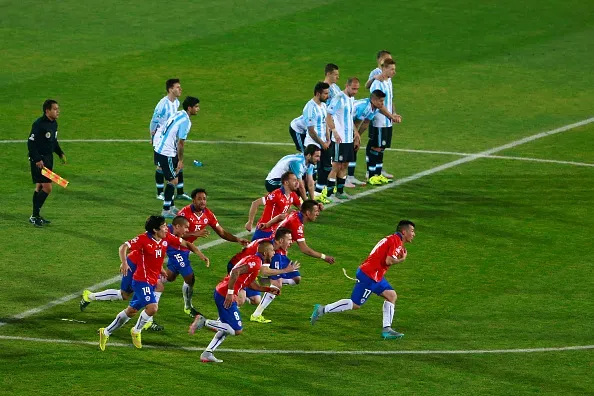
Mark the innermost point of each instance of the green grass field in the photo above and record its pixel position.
(503, 254)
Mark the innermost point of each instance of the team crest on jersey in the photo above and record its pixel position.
(205, 221)
(48, 135)
(164, 243)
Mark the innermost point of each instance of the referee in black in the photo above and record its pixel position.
(42, 144)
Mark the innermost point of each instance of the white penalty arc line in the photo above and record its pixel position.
(398, 182)
(304, 352)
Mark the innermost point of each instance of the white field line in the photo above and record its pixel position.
(304, 352)
(398, 182)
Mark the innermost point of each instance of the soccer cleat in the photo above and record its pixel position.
(387, 175)
(136, 338)
(192, 312)
(355, 181)
(375, 181)
(317, 312)
(348, 184)
(85, 301)
(153, 326)
(342, 196)
(102, 338)
(36, 221)
(174, 210)
(184, 197)
(197, 324)
(44, 220)
(168, 214)
(208, 357)
(321, 198)
(391, 335)
(161, 197)
(384, 179)
(259, 319)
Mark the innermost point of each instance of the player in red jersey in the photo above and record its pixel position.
(242, 275)
(310, 210)
(152, 246)
(178, 261)
(275, 203)
(370, 279)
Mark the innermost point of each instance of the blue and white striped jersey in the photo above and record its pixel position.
(298, 125)
(315, 116)
(293, 162)
(332, 92)
(341, 110)
(363, 110)
(165, 109)
(177, 127)
(375, 72)
(380, 120)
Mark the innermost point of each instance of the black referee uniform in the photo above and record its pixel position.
(42, 144)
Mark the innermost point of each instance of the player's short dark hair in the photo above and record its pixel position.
(308, 205)
(351, 80)
(196, 191)
(311, 149)
(264, 245)
(286, 176)
(330, 67)
(382, 53)
(47, 105)
(179, 220)
(320, 87)
(378, 93)
(190, 101)
(154, 223)
(403, 224)
(170, 83)
(281, 232)
(388, 62)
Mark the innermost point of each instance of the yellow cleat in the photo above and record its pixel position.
(259, 319)
(384, 179)
(375, 180)
(136, 339)
(102, 338)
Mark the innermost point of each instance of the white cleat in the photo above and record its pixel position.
(208, 357)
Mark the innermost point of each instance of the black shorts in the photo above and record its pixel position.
(343, 152)
(272, 184)
(298, 139)
(48, 162)
(325, 160)
(380, 137)
(167, 164)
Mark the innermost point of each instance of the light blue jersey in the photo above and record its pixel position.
(380, 120)
(315, 116)
(293, 162)
(363, 110)
(332, 92)
(341, 110)
(298, 125)
(375, 72)
(177, 127)
(165, 109)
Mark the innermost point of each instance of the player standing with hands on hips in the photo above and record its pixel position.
(42, 144)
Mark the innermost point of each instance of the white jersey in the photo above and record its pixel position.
(293, 162)
(363, 110)
(165, 109)
(314, 116)
(375, 72)
(332, 92)
(380, 120)
(177, 127)
(341, 110)
(298, 125)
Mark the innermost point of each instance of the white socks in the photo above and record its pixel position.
(339, 306)
(216, 341)
(106, 295)
(118, 322)
(388, 310)
(142, 320)
(220, 326)
(290, 282)
(158, 296)
(187, 292)
(266, 300)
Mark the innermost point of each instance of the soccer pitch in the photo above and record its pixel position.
(493, 162)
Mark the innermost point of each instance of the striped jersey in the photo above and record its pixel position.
(341, 110)
(177, 127)
(298, 125)
(315, 116)
(363, 110)
(375, 72)
(333, 91)
(165, 109)
(380, 120)
(293, 162)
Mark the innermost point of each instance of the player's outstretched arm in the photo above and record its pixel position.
(252, 214)
(269, 289)
(312, 253)
(226, 235)
(267, 271)
(196, 251)
(276, 219)
(122, 252)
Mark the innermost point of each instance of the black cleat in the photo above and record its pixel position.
(36, 221)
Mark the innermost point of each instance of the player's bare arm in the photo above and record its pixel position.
(391, 260)
(266, 271)
(269, 289)
(252, 214)
(312, 253)
(200, 233)
(226, 235)
(123, 251)
(180, 153)
(233, 275)
(316, 138)
(196, 251)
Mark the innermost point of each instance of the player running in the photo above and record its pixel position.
(370, 279)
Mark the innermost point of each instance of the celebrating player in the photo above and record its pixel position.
(151, 247)
(370, 279)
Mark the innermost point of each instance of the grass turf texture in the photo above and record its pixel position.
(494, 264)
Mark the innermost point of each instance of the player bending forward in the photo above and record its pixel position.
(370, 279)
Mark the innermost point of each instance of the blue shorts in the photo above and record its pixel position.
(228, 315)
(280, 261)
(259, 234)
(179, 262)
(126, 283)
(144, 294)
(366, 286)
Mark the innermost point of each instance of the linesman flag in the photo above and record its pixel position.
(59, 180)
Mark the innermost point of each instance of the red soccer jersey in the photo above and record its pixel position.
(276, 203)
(254, 263)
(249, 250)
(294, 222)
(374, 265)
(148, 255)
(198, 222)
